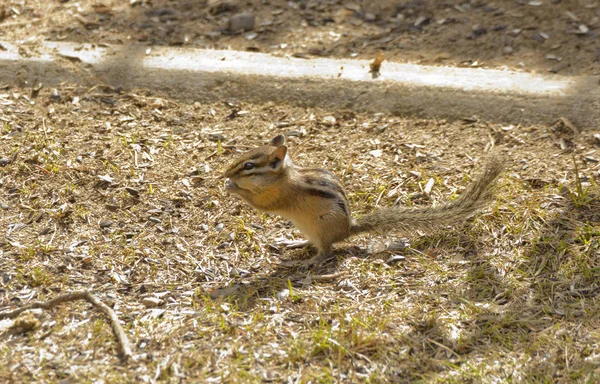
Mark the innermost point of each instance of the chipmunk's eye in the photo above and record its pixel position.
(249, 165)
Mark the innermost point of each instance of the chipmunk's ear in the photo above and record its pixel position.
(277, 160)
(278, 141)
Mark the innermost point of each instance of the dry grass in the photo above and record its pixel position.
(121, 194)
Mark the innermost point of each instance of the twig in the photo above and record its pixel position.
(80, 295)
(42, 169)
(25, 22)
(443, 347)
(331, 276)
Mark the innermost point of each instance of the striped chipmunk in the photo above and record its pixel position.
(314, 200)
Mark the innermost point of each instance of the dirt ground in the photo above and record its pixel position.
(548, 35)
(121, 193)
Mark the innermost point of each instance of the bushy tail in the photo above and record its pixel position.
(474, 198)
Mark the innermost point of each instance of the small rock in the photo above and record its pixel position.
(282, 295)
(216, 136)
(132, 191)
(105, 223)
(55, 96)
(329, 121)
(478, 31)
(154, 219)
(394, 259)
(397, 246)
(370, 17)
(583, 29)
(4, 161)
(241, 22)
(597, 138)
(152, 302)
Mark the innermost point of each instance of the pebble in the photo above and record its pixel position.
(478, 31)
(597, 138)
(4, 161)
(397, 246)
(507, 50)
(583, 29)
(241, 22)
(370, 17)
(329, 120)
(105, 223)
(282, 295)
(55, 96)
(152, 302)
(394, 259)
(132, 191)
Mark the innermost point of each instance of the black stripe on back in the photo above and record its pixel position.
(325, 183)
(320, 193)
(318, 170)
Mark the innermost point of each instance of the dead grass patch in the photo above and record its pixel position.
(120, 193)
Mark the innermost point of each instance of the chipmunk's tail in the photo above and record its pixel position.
(474, 198)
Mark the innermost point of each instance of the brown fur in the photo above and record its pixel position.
(474, 198)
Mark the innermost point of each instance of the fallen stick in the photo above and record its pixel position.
(80, 295)
(25, 22)
(327, 277)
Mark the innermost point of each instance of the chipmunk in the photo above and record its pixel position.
(314, 200)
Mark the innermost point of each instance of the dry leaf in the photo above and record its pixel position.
(376, 64)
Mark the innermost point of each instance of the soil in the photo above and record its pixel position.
(121, 193)
(549, 35)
